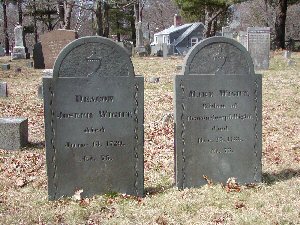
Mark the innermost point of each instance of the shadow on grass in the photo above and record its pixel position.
(271, 178)
(157, 190)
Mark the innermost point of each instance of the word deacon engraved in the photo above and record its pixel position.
(217, 115)
(94, 115)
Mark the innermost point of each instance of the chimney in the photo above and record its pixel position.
(177, 20)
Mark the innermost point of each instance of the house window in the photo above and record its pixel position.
(156, 40)
(194, 41)
(165, 39)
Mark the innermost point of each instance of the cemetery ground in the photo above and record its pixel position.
(23, 186)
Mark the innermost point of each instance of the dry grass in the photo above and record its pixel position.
(23, 187)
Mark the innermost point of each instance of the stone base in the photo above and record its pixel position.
(13, 133)
(18, 53)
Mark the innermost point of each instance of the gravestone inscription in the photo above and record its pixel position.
(217, 115)
(94, 121)
(53, 42)
(259, 46)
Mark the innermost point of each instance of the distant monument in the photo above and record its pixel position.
(19, 49)
(140, 48)
(259, 46)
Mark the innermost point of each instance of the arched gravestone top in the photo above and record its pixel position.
(218, 56)
(93, 56)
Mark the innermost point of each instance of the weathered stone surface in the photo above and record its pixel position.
(13, 133)
(94, 121)
(3, 89)
(259, 46)
(218, 116)
(5, 66)
(53, 42)
(38, 56)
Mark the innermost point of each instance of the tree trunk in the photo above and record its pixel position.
(68, 12)
(281, 11)
(20, 12)
(6, 39)
(99, 19)
(106, 20)
(208, 22)
(61, 13)
(34, 23)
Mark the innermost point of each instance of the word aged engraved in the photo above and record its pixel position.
(91, 130)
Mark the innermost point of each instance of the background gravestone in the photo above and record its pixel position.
(243, 39)
(218, 115)
(3, 89)
(227, 32)
(259, 46)
(38, 57)
(2, 51)
(94, 121)
(53, 42)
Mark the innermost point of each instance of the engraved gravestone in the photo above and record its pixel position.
(38, 56)
(259, 46)
(53, 42)
(94, 121)
(227, 32)
(218, 115)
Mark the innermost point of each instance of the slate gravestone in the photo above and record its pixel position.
(53, 42)
(218, 115)
(38, 57)
(2, 51)
(94, 121)
(227, 32)
(259, 46)
(3, 89)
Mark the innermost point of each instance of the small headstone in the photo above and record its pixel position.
(154, 79)
(165, 50)
(3, 89)
(30, 64)
(259, 46)
(19, 49)
(94, 112)
(218, 115)
(287, 54)
(47, 73)
(53, 42)
(13, 133)
(2, 51)
(227, 32)
(291, 62)
(5, 66)
(38, 57)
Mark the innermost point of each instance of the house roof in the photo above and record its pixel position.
(173, 29)
(187, 32)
